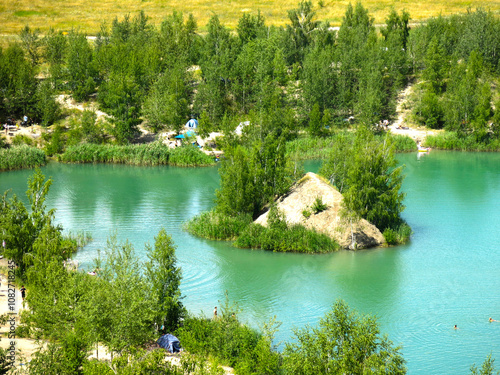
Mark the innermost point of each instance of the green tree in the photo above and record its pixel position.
(165, 279)
(315, 124)
(122, 96)
(168, 101)
(67, 357)
(56, 45)
(124, 300)
(217, 56)
(356, 38)
(436, 66)
(487, 368)
(236, 193)
(80, 66)
(17, 82)
(467, 100)
(20, 228)
(205, 126)
(319, 78)
(31, 42)
(299, 33)
(365, 173)
(429, 110)
(397, 24)
(178, 39)
(47, 108)
(5, 365)
(250, 27)
(343, 343)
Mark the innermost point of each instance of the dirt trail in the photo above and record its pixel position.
(400, 126)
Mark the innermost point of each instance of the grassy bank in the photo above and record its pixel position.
(87, 16)
(451, 141)
(307, 148)
(278, 236)
(212, 226)
(293, 238)
(144, 154)
(20, 157)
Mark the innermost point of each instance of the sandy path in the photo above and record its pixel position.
(24, 348)
(67, 102)
(400, 126)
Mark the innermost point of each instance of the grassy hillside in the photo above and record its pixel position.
(87, 15)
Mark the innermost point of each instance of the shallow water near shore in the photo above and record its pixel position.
(448, 274)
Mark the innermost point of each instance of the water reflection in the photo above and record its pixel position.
(446, 275)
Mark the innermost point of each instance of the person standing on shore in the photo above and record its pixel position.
(23, 292)
(215, 312)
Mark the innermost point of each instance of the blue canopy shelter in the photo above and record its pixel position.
(170, 342)
(192, 124)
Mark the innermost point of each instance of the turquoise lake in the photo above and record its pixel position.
(448, 274)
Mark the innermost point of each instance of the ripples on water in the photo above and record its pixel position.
(447, 275)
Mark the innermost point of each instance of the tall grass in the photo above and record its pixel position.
(214, 226)
(451, 141)
(21, 157)
(402, 143)
(294, 238)
(307, 147)
(88, 16)
(144, 154)
(399, 235)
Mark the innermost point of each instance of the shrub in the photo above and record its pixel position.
(22, 139)
(318, 205)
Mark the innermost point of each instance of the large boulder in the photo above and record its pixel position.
(355, 234)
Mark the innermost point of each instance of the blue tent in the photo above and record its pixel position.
(192, 124)
(170, 342)
(180, 136)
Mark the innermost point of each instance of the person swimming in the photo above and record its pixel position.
(492, 320)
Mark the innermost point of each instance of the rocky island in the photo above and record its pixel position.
(296, 206)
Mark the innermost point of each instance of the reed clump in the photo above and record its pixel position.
(150, 154)
(19, 157)
(293, 238)
(307, 148)
(452, 141)
(215, 226)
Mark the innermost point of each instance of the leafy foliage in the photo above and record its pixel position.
(343, 342)
(364, 172)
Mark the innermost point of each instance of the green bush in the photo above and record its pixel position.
(318, 205)
(3, 142)
(22, 139)
(21, 157)
(232, 343)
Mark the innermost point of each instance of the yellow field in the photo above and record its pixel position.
(87, 16)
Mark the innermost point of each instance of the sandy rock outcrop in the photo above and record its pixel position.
(303, 194)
